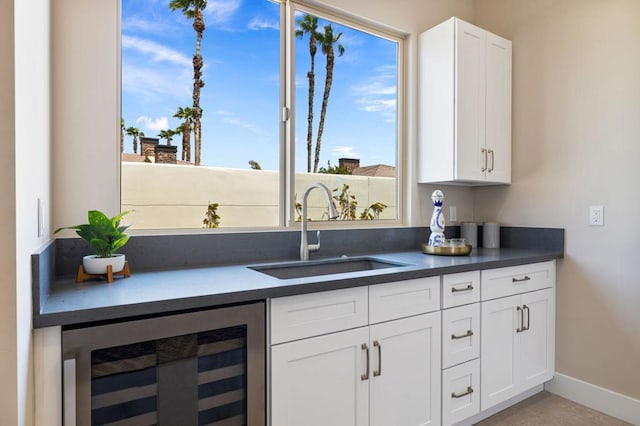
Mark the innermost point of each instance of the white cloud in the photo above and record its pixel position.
(375, 88)
(376, 105)
(344, 152)
(230, 118)
(378, 94)
(156, 124)
(220, 11)
(258, 23)
(134, 23)
(156, 84)
(154, 51)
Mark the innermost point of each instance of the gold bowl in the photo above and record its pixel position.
(447, 250)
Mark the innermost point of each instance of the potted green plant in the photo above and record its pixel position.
(105, 236)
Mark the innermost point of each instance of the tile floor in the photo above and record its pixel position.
(548, 409)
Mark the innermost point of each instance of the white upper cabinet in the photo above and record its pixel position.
(465, 106)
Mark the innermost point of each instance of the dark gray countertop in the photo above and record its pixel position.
(161, 292)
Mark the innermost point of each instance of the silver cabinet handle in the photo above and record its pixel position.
(378, 372)
(492, 160)
(465, 393)
(365, 376)
(469, 333)
(69, 391)
(526, 308)
(456, 290)
(520, 323)
(520, 280)
(484, 155)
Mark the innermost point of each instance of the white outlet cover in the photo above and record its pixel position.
(596, 215)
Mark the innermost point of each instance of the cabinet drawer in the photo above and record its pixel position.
(460, 392)
(517, 279)
(306, 315)
(460, 334)
(403, 298)
(460, 289)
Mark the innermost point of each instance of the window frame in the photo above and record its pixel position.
(286, 190)
(287, 205)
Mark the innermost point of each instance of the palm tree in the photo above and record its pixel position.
(192, 9)
(186, 114)
(168, 135)
(309, 25)
(135, 132)
(121, 134)
(327, 41)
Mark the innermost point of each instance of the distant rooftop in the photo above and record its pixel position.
(377, 170)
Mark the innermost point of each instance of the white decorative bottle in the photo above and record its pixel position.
(437, 220)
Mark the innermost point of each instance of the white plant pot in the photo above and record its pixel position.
(98, 265)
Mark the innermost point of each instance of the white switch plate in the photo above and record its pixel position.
(596, 215)
(453, 214)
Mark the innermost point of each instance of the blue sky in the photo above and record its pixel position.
(240, 99)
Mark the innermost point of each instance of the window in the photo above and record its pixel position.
(250, 168)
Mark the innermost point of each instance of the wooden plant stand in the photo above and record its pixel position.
(82, 275)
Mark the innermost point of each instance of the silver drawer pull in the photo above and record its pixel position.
(520, 328)
(365, 376)
(460, 395)
(519, 280)
(469, 333)
(456, 290)
(378, 372)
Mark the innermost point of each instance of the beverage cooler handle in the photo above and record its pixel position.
(69, 390)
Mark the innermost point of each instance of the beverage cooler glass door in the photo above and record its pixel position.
(198, 368)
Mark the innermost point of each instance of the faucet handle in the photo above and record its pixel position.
(315, 247)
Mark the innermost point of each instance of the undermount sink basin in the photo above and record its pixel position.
(324, 267)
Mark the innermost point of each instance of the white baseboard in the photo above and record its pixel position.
(604, 400)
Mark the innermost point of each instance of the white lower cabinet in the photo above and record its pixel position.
(405, 380)
(385, 374)
(460, 392)
(317, 381)
(518, 334)
(432, 351)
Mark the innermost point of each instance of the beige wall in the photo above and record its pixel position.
(25, 178)
(86, 115)
(8, 394)
(33, 175)
(576, 143)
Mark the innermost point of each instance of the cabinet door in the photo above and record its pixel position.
(498, 109)
(538, 341)
(460, 392)
(500, 350)
(405, 378)
(317, 381)
(470, 71)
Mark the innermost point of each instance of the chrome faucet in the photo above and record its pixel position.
(305, 247)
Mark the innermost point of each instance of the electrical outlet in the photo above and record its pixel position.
(596, 216)
(453, 214)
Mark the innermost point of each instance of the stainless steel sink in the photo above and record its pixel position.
(324, 267)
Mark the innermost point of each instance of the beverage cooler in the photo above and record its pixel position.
(197, 368)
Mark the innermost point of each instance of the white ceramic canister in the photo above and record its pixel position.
(491, 235)
(469, 231)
